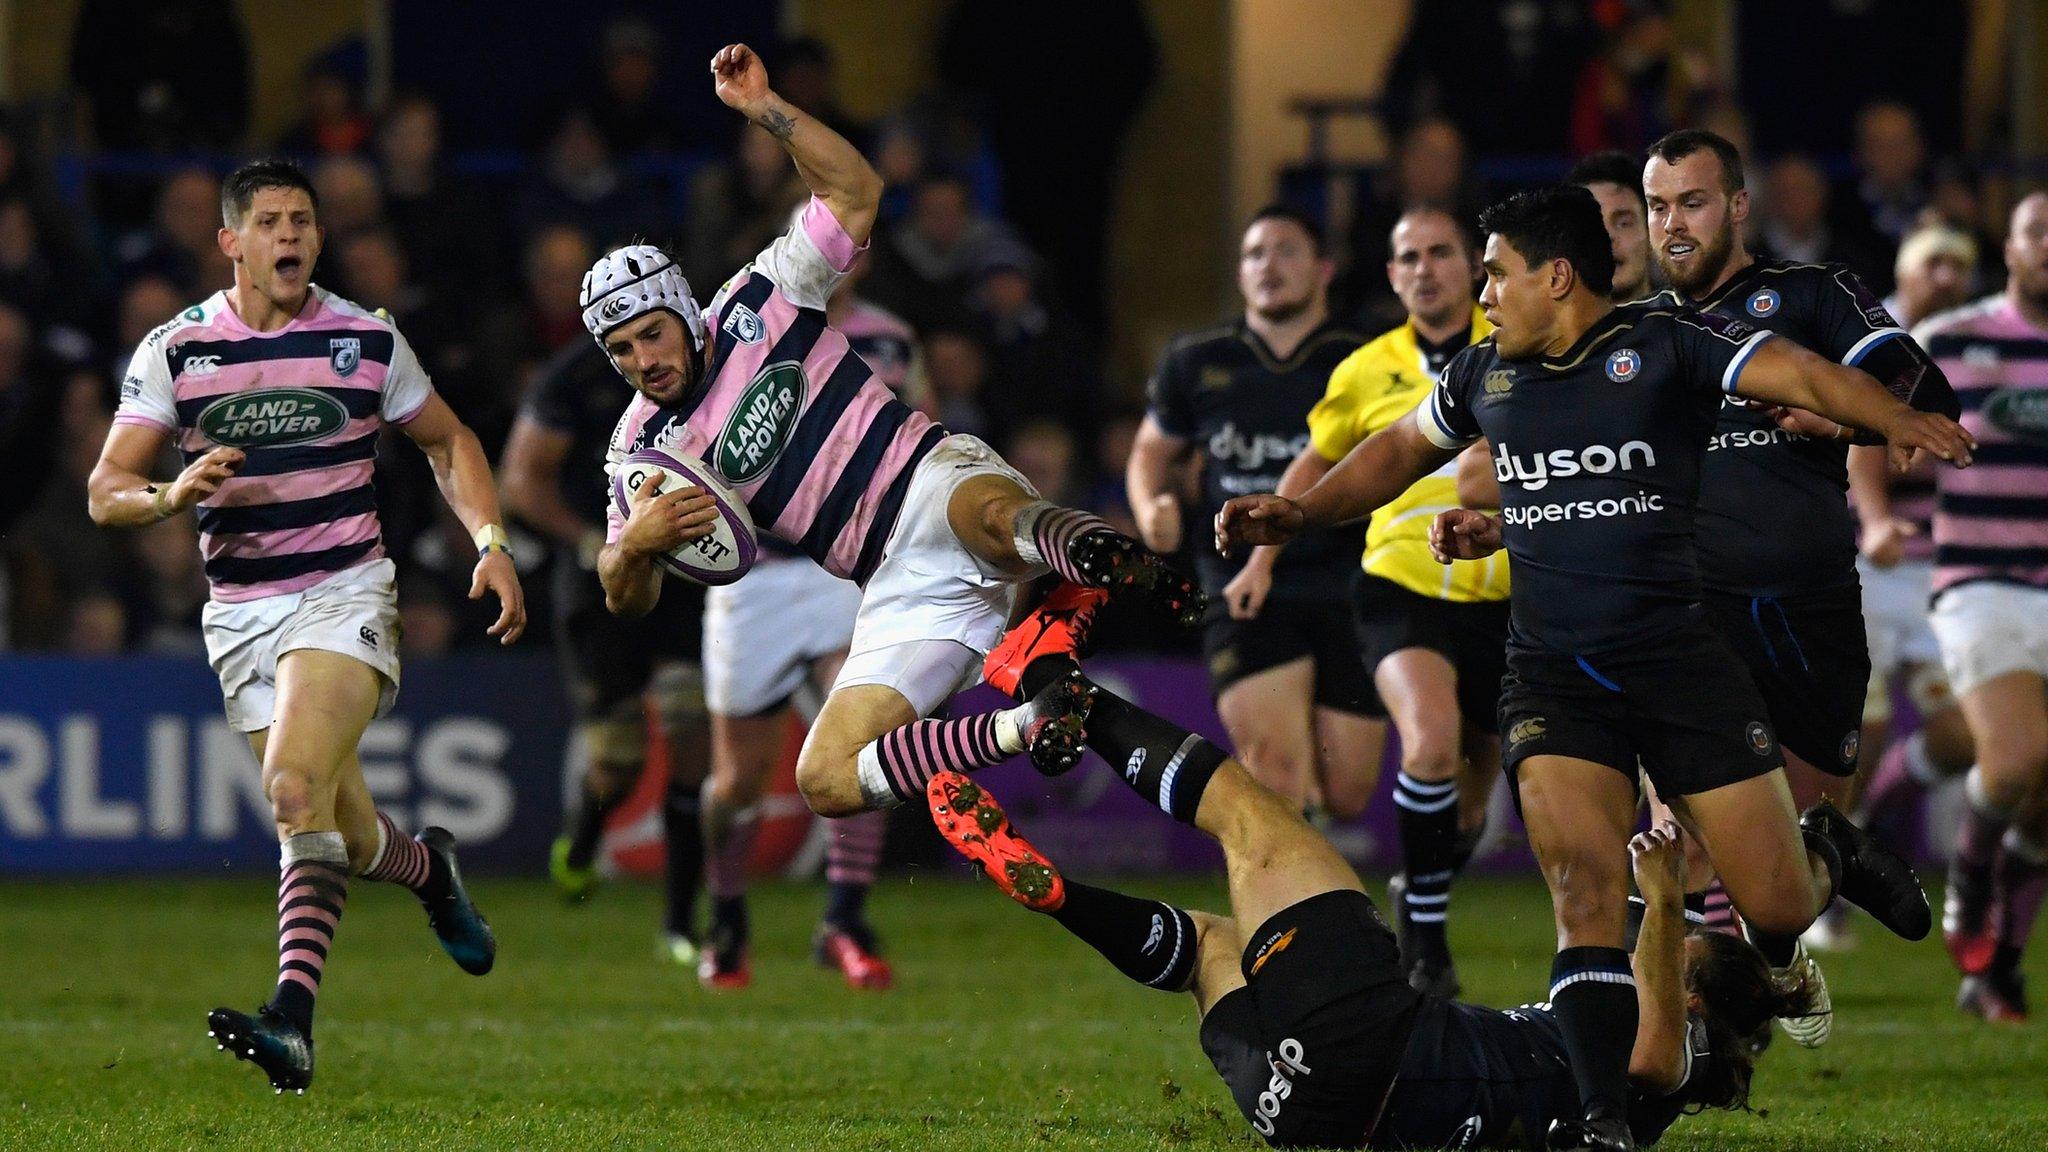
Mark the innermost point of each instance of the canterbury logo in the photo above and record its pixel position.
(1135, 765)
(616, 307)
(1499, 380)
(1157, 934)
(202, 365)
(1525, 730)
(1278, 945)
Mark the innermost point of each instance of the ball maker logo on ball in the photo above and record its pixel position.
(1623, 365)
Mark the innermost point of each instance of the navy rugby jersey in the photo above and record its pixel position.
(1478, 1077)
(1246, 411)
(1598, 453)
(1773, 511)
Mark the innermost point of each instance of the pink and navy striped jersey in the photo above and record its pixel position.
(1991, 519)
(792, 419)
(305, 404)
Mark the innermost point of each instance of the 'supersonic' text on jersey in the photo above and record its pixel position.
(1598, 453)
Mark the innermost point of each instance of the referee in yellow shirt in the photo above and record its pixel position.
(1434, 636)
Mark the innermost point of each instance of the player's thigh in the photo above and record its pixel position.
(1420, 689)
(1349, 749)
(1268, 716)
(1272, 858)
(854, 716)
(1219, 948)
(1750, 830)
(2008, 716)
(1478, 774)
(744, 751)
(324, 702)
(1579, 815)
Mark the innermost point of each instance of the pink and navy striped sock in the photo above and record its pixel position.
(895, 769)
(1044, 531)
(312, 889)
(400, 859)
(853, 853)
(728, 845)
(2019, 884)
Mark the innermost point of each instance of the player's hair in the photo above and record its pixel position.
(1678, 145)
(1612, 166)
(1557, 222)
(1465, 238)
(242, 185)
(1293, 214)
(1738, 1001)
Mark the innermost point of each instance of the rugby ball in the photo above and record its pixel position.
(719, 558)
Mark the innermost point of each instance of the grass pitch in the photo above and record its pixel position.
(1003, 1032)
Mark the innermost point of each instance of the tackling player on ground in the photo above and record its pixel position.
(1432, 635)
(274, 391)
(1306, 1010)
(1289, 686)
(937, 529)
(1599, 418)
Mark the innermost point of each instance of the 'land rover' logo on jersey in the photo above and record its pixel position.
(345, 353)
(1762, 303)
(2022, 412)
(760, 423)
(272, 418)
(1623, 365)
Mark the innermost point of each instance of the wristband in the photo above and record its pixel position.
(157, 492)
(491, 538)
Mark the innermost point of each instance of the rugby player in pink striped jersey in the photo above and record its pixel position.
(937, 529)
(274, 391)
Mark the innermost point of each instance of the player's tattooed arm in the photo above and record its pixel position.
(777, 124)
(831, 166)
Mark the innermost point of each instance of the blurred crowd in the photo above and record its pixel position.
(480, 265)
(995, 257)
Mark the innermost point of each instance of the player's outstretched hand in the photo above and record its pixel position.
(1912, 431)
(1463, 534)
(739, 77)
(1659, 862)
(1261, 518)
(202, 478)
(495, 573)
(664, 521)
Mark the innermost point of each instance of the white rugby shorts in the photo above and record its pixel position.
(762, 634)
(1989, 629)
(1895, 615)
(933, 609)
(353, 612)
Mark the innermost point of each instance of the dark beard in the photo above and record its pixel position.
(1709, 264)
(1282, 313)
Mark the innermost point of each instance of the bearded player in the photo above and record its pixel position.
(275, 391)
(936, 529)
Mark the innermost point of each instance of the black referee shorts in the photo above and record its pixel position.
(1682, 705)
(1285, 631)
(1310, 1046)
(1811, 660)
(1473, 637)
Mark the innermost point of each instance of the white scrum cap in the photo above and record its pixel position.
(628, 283)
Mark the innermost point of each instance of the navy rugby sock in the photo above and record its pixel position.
(682, 818)
(1150, 941)
(1593, 994)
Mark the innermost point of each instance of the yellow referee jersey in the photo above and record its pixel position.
(1370, 389)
